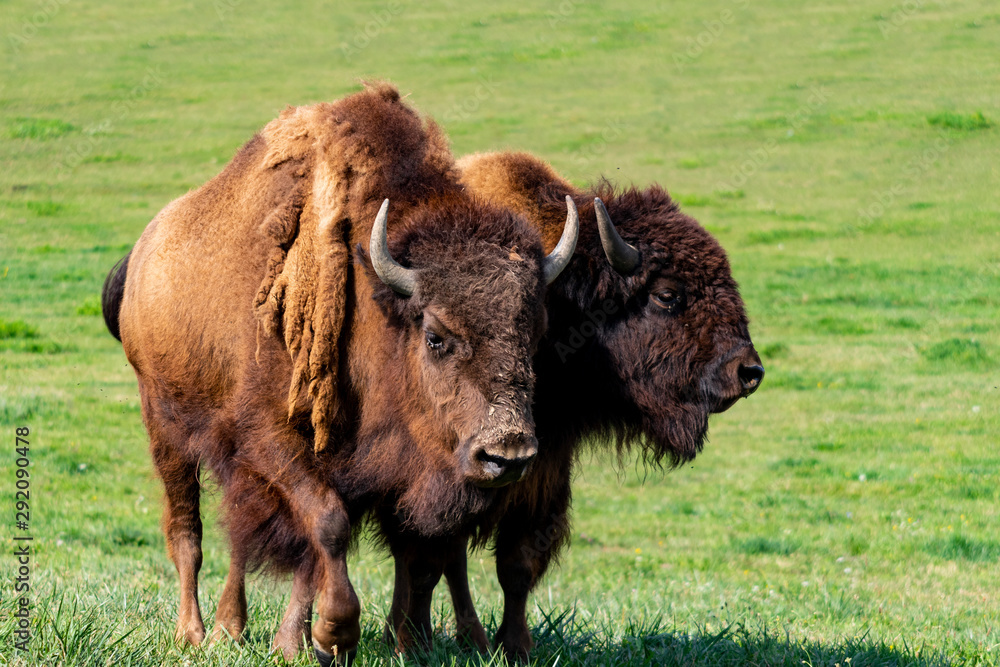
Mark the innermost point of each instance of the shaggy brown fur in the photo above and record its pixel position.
(641, 359)
(266, 349)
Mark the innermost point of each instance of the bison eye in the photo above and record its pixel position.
(669, 300)
(434, 341)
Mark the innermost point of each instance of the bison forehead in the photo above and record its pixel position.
(686, 248)
(490, 294)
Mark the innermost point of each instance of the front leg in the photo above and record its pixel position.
(419, 565)
(469, 629)
(337, 631)
(525, 545)
(400, 602)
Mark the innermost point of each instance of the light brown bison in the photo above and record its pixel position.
(316, 385)
(647, 337)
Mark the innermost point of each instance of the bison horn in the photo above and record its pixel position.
(623, 257)
(401, 279)
(558, 259)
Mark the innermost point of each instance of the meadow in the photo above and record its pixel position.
(847, 156)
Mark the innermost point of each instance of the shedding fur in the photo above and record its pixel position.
(303, 294)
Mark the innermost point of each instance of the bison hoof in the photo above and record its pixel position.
(328, 659)
(221, 632)
(474, 636)
(193, 634)
(516, 646)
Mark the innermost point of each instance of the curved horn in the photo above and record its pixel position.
(558, 259)
(401, 279)
(623, 257)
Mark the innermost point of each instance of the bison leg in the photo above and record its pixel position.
(469, 630)
(525, 545)
(418, 570)
(231, 614)
(294, 629)
(182, 527)
(400, 601)
(338, 629)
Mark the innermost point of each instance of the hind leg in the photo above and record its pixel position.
(181, 525)
(231, 614)
(295, 625)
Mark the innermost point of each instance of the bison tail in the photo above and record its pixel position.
(111, 295)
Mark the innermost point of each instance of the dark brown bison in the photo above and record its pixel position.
(647, 337)
(316, 385)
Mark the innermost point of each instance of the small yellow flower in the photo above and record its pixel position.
(638, 551)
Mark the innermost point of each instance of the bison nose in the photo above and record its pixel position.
(750, 378)
(506, 461)
(500, 470)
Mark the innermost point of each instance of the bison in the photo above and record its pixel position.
(647, 337)
(317, 381)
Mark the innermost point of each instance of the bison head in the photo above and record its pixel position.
(469, 313)
(674, 338)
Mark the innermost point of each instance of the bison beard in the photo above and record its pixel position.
(311, 389)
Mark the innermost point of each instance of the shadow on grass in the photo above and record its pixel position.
(560, 639)
(136, 629)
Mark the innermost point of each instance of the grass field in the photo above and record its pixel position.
(847, 155)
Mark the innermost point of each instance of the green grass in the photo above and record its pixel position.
(849, 509)
(957, 121)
